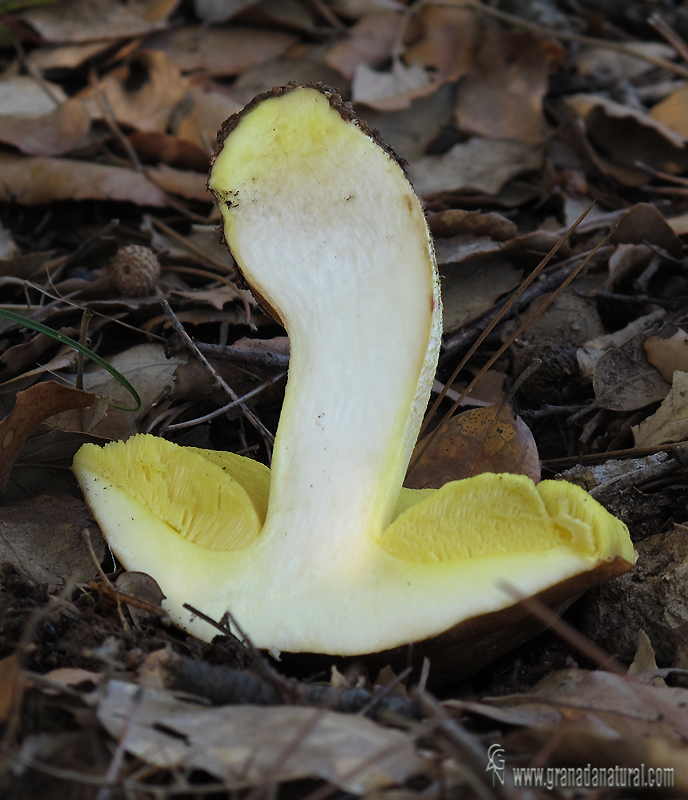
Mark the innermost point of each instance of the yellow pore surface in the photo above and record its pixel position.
(218, 501)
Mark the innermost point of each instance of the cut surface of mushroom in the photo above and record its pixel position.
(325, 552)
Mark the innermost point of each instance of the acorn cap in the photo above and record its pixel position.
(134, 270)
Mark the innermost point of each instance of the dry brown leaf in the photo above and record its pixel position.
(354, 9)
(670, 422)
(624, 380)
(52, 134)
(368, 42)
(31, 407)
(162, 148)
(22, 96)
(672, 112)
(455, 221)
(393, 90)
(207, 110)
(667, 351)
(217, 298)
(481, 440)
(69, 56)
(221, 51)
(502, 95)
(449, 42)
(220, 10)
(483, 165)
(71, 677)
(42, 538)
(471, 288)
(455, 249)
(88, 20)
(591, 352)
(281, 71)
(291, 15)
(141, 93)
(40, 180)
(627, 261)
(644, 222)
(410, 130)
(150, 373)
(244, 745)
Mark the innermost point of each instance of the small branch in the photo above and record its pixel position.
(250, 416)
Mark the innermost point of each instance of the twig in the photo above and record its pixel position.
(250, 416)
(220, 411)
(239, 355)
(676, 41)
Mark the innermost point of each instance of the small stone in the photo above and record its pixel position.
(134, 270)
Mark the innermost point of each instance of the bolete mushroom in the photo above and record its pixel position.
(325, 553)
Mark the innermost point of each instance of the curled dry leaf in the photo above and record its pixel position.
(42, 538)
(52, 134)
(89, 20)
(670, 422)
(455, 221)
(624, 380)
(484, 165)
(337, 748)
(481, 440)
(391, 91)
(38, 180)
(33, 406)
(141, 93)
(667, 351)
(502, 95)
(629, 136)
(221, 51)
(449, 41)
(368, 42)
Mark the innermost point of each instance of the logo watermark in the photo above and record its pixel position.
(496, 764)
(588, 777)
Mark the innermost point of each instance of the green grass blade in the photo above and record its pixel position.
(60, 337)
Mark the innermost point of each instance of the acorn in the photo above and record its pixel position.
(134, 270)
